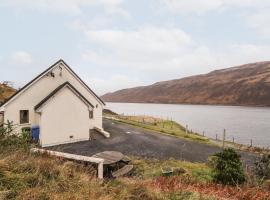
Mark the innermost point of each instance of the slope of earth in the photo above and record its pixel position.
(247, 85)
(5, 92)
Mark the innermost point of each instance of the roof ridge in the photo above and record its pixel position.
(42, 73)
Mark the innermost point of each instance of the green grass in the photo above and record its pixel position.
(167, 127)
(152, 168)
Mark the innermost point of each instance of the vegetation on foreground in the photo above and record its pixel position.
(228, 168)
(39, 176)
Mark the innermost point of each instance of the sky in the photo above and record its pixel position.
(115, 44)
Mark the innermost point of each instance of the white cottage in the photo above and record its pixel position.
(59, 103)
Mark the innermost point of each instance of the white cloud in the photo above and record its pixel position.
(238, 54)
(256, 13)
(152, 50)
(98, 22)
(162, 54)
(73, 7)
(21, 58)
(150, 44)
(202, 6)
(260, 21)
(115, 82)
(192, 6)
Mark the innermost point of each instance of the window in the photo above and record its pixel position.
(24, 116)
(91, 114)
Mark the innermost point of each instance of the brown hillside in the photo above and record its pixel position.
(5, 92)
(243, 85)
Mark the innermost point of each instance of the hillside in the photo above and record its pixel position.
(247, 85)
(5, 92)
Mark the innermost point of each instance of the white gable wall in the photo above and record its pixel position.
(38, 90)
(61, 120)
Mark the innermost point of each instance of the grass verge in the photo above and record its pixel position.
(169, 127)
(166, 127)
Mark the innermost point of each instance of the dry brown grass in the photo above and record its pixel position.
(41, 177)
(246, 192)
(34, 176)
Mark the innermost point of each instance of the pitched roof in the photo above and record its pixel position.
(57, 90)
(43, 73)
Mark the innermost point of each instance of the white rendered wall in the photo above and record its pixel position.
(63, 116)
(28, 99)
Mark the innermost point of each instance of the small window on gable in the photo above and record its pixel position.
(24, 116)
(91, 114)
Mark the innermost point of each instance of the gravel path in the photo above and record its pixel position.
(135, 141)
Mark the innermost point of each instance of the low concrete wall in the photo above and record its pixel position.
(69, 156)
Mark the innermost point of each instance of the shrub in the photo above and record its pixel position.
(9, 140)
(262, 167)
(6, 130)
(228, 168)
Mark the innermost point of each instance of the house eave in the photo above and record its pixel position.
(44, 73)
(38, 107)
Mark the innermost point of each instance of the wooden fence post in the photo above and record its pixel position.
(186, 129)
(251, 143)
(163, 125)
(216, 137)
(224, 137)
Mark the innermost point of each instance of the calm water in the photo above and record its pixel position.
(242, 123)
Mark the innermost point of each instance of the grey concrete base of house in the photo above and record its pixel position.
(135, 141)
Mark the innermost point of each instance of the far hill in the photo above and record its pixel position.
(5, 92)
(247, 85)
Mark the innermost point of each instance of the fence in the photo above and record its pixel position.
(225, 140)
(222, 137)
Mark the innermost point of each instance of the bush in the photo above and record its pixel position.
(9, 140)
(7, 129)
(262, 167)
(228, 168)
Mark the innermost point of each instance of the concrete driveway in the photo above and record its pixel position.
(135, 141)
